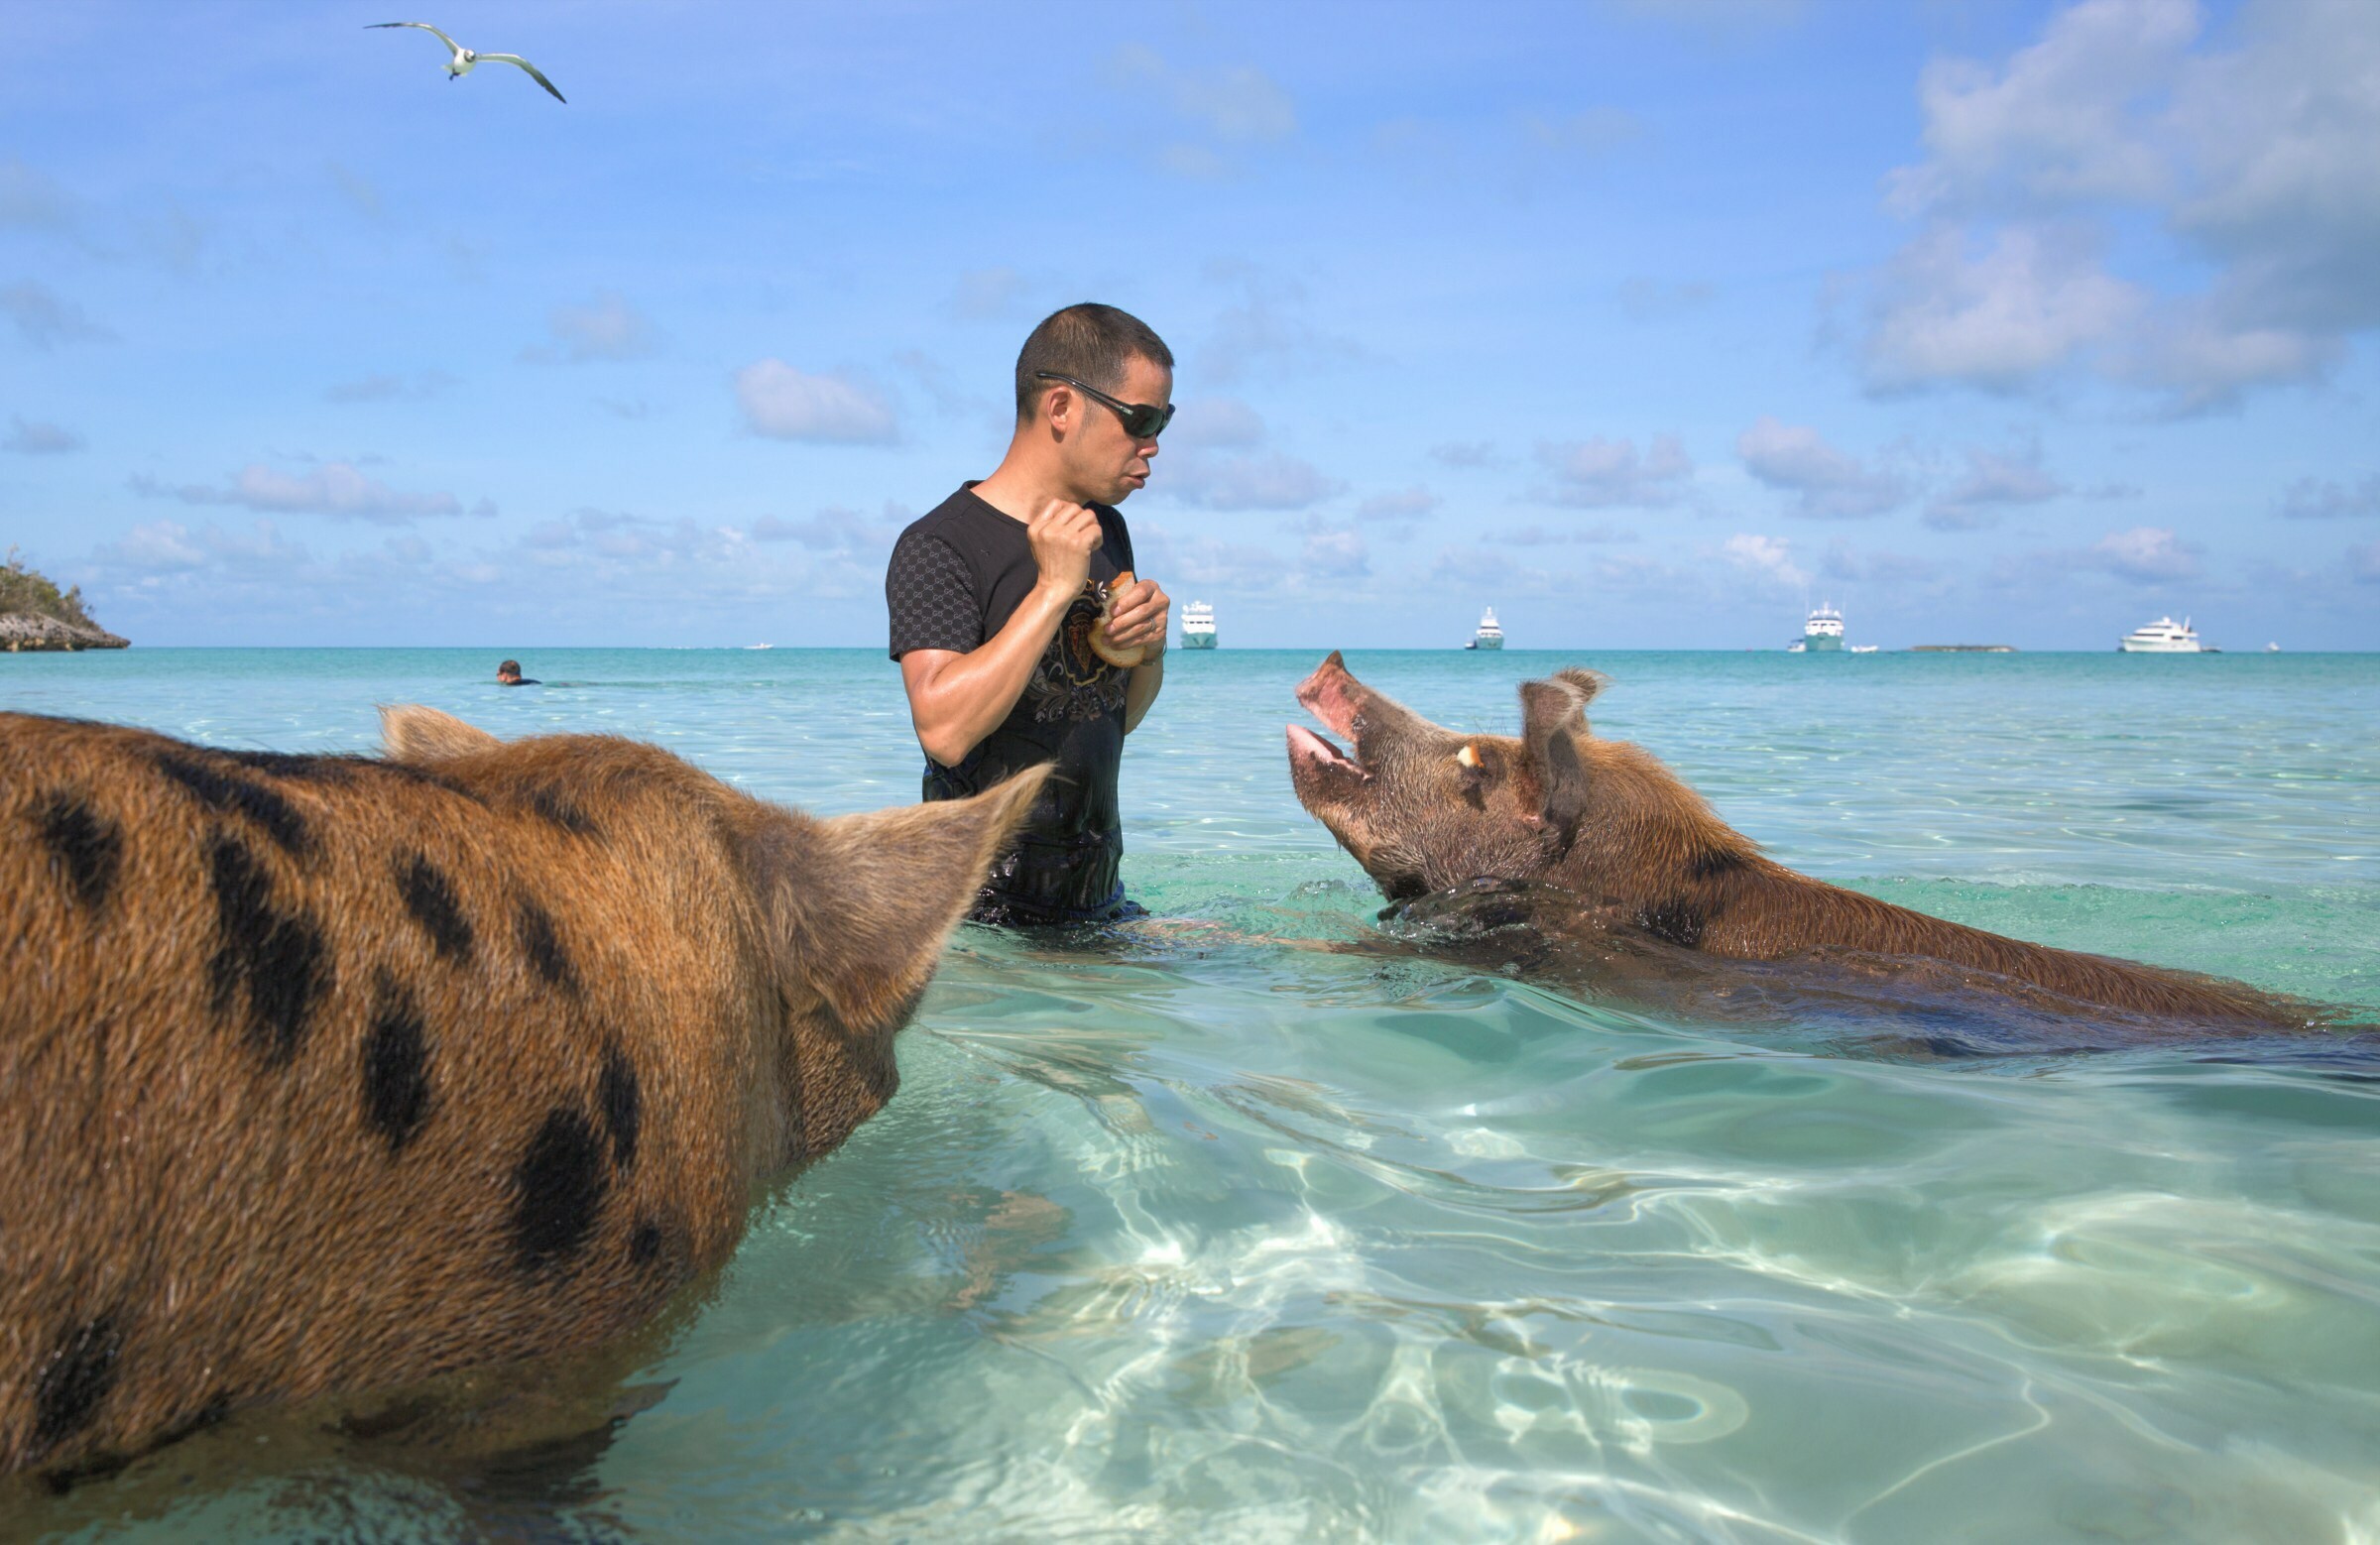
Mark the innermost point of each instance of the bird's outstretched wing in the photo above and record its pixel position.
(451, 44)
(534, 74)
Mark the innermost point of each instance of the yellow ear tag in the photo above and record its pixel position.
(1467, 757)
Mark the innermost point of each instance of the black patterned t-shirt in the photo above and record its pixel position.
(956, 577)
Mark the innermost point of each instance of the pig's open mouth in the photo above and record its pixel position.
(1307, 747)
(1327, 695)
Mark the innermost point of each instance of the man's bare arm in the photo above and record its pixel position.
(956, 700)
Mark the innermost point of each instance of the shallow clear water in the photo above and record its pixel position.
(1196, 1235)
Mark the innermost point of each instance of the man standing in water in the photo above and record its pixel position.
(996, 596)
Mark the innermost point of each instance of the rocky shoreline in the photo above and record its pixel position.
(25, 632)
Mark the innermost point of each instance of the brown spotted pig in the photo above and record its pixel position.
(1609, 845)
(322, 1074)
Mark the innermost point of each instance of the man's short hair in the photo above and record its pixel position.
(1091, 342)
(511, 667)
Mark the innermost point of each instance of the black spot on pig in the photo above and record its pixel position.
(430, 902)
(620, 1098)
(282, 763)
(558, 1189)
(543, 947)
(551, 807)
(277, 957)
(395, 1067)
(74, 1379)
(220, 791)
(86, 847)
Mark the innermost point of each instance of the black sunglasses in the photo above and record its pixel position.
(1142, 421)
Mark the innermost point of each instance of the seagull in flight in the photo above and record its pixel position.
(460, 66)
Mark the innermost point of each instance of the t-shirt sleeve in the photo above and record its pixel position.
(931, 596)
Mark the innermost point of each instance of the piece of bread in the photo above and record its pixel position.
(1106, 648)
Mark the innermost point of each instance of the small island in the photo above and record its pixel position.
(36, 614)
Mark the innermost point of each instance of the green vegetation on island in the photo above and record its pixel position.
(36, 614)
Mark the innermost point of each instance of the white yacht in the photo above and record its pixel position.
(1198, 625)
(1823, 633)
(2162, 637)
(1491, 634)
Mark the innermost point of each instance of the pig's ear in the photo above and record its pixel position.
(1553, 715)
(865, 902)
(413, 732)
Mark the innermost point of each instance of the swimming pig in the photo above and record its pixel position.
(320, 1074)
(1594, 838)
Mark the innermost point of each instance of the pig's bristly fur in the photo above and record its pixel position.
(327, 1073)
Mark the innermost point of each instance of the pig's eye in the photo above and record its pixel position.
(1467, 757)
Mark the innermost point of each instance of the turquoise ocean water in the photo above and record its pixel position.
(1199, 1235)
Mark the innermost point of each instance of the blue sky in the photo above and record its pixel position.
(1649, 324)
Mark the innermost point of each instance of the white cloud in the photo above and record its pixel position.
(2310, 499)
(1993, 481)
(336, 488)
(1404, 504)
(1337, 554)
(837, 530)
(1271, 481)
(1266, 332)
(47, 319)
(1893, 571)
(29, 200)
(1465, 454)
(1214, 422)
(1768, 559)
(360, 191)
(165, 548)
(1599, 474)
(2145, 552)
(787, 404)
(985, 292)
(1243, 568)
(2250, 150)
(1995, 318)
(2203, 359)
(2064, 121)
(606, 328)
(1597, 535)
(1239, 104)
(412, 387)
(1830, 484)
(2285, 188)
(1226, 113)
(39, 439)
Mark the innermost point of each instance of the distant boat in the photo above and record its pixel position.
(1822, 634)
(2272, 648)
(1198, 625)
(1863, 648)
(2162, 637)
(1491, 634)
(760, 646)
